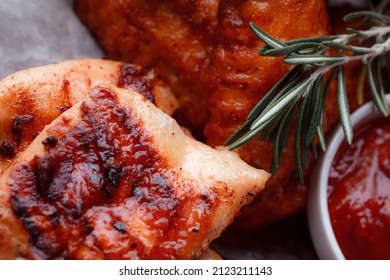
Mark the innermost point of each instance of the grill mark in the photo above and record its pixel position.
(7, 149)
(71, 214)
(136, 78)
(50, 182)
(25, 209)
(18, 123)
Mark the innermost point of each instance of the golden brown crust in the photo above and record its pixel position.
(284, 195)
(239, 78)
(174, 37)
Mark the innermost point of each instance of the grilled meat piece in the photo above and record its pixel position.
(239, 78)
(34, 97)
(114, 177)
(173, 36)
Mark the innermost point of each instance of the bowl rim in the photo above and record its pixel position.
(320, 227)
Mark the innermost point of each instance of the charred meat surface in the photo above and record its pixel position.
(116, 178)
(35, 97)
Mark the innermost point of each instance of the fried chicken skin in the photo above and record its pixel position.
(173, 36)
(34, 97)
(114, 177)
(239, 78)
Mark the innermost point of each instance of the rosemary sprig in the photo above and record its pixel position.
(302, 91)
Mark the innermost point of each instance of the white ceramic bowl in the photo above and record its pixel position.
(320, 226)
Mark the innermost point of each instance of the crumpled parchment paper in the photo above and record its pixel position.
(40, 32)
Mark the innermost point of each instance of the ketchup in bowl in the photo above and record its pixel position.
(359, 193)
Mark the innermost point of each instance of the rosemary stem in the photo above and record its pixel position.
(378, 49)
(302, 92)
(372, 32)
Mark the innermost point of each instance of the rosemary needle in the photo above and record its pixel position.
(303, 90)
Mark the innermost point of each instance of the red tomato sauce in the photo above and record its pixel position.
(359, 193)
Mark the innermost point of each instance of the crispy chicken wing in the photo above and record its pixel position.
(115, 178)
(34, 97)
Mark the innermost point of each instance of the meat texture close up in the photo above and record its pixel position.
(173, 36)
(36, 96)
(114, 177)
(206, 52)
